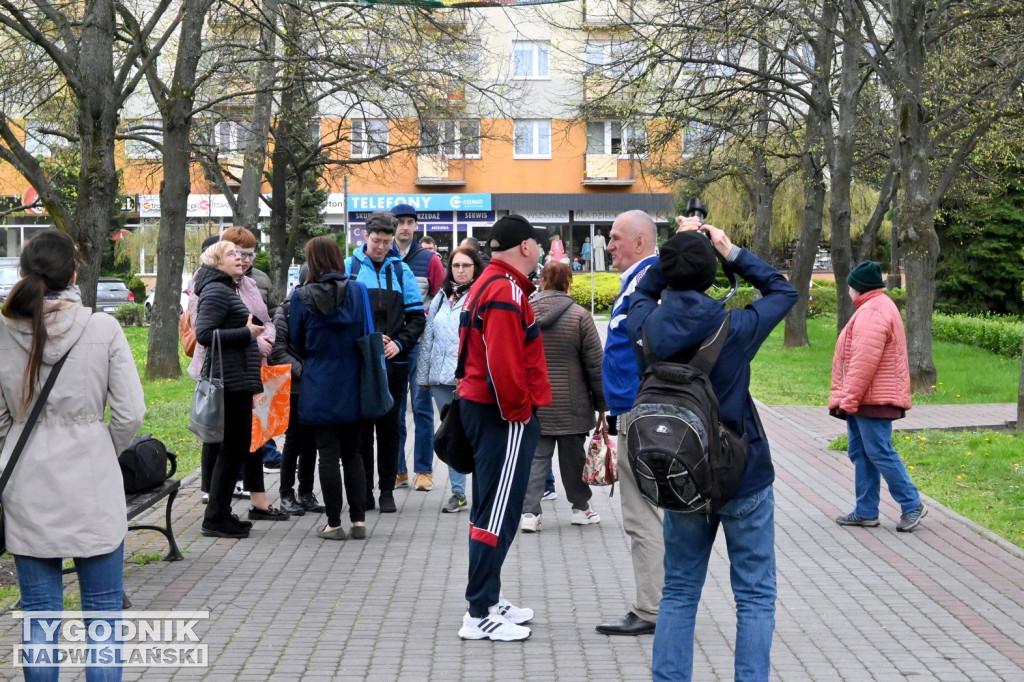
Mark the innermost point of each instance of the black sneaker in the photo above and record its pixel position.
(292, 506)
(852, 519)
(911, 520)
(456, 504)
(269, 514)
(311, 504)
(223, 529)
(387, 503)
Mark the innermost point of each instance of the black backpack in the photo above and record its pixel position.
(683, 458)
(144, 464)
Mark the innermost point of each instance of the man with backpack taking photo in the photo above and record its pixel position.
(685, 320)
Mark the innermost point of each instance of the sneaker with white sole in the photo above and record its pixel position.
(516, 614)
(549, 495)
(584, 517)
(530, 523)
(494, 627)
(241, 492)
(911, 520)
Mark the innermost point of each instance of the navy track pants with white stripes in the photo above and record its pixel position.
(503, 453)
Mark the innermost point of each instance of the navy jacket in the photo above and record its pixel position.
(685, 318)
(325, 319)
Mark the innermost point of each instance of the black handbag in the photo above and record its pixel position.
(144, 464)
(375, 398)
(451, 444)
(23, 439)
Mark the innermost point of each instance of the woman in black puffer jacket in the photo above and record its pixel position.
(222, 312)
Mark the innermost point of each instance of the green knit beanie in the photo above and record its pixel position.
(867, 275)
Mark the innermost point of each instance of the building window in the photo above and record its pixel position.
(451, 139)
(698, 138)
(40, 144)
(612, 59)
(150, 129)
(626, 140)
(232, 137)
(369, 137)
(530, 59)
(532, 140)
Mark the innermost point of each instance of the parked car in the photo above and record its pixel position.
(111, 293)
(8, 276)
(186, 281)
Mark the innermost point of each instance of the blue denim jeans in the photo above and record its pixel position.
(749, 525)
(442, 395)
(100, 580)
(873, 458)
(423, 421)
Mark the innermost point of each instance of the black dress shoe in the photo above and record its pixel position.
(630, 624)
(292, 506)
(223, 529)
(387, 503)
(244, 525)
(311, 504)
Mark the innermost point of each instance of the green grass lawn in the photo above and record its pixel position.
(977, 474)
(801, 376)
(167, 406)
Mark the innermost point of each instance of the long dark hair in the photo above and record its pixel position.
(323, 255)
(478, 267)
(47, 265)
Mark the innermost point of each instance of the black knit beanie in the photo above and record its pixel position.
(688, 262)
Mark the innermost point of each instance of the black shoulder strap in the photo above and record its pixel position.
(31, 421)
(460, 368)
(706, 355)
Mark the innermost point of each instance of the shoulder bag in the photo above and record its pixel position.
(23, 439)
(375, 399)
(206, 417)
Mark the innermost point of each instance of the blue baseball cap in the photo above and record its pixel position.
(400, 210)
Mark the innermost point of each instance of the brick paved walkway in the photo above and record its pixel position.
(943, 603)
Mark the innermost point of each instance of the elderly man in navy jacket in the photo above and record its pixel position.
(685, 317)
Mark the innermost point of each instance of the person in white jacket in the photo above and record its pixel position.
(65, 496)
(439, 347)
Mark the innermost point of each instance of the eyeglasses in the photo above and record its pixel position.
(461, 266)
(246, 255)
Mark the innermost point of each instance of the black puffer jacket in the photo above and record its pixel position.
(220, 308)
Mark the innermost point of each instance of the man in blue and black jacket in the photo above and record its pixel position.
(398, 314)
(670, 305)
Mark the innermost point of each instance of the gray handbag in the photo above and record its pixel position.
(206, 418)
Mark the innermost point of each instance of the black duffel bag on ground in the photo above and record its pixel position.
(451, 445)
(144, 464)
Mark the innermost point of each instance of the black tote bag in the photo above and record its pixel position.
(374, 397)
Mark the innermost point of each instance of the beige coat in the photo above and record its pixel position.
(66, 496)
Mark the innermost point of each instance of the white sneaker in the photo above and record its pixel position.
(517, 615)
(584, 518)
(530, 523)
(494, 627)
(241, 492)
(549, 495)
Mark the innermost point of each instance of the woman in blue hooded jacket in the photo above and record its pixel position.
(326, 320)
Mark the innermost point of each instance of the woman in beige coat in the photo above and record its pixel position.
(65, 497)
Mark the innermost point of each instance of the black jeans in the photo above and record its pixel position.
(339, 442)
(233, 451)
(252, 468)
(299, 447)
(386, 428)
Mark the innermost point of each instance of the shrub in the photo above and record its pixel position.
(822, 301)
(137, 287)
(606, 288)
(130, 314)
(1001, 335)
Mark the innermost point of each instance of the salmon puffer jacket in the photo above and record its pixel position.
(870, 366)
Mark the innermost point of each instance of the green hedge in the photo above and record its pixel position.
(130, 314)
(606, 288)
(1001, 335)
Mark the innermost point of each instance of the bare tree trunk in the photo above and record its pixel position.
(803, 260)
(842, 159)
(247, 211)
(1020, 395)
(176, 106)
(284, 140)
(764, 188)
(97, 127)
(918, 241)
(885, 198)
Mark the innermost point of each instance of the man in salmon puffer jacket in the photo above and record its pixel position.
(871, 388)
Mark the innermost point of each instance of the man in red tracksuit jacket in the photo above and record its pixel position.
(504, 382)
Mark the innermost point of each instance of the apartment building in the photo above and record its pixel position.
(476, 160)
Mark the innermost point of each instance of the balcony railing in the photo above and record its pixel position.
(608, 170)
(439, 170)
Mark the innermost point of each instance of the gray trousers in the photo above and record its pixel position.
(571, 458)
(642, 522)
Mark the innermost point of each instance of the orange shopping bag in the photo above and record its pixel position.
(270, 408)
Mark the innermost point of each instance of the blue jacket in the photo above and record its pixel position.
(325, 319)
(685, 318)
(394, 298)
(618, 367)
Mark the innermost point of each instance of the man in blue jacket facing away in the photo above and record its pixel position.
(684, 318)
(398, 314)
